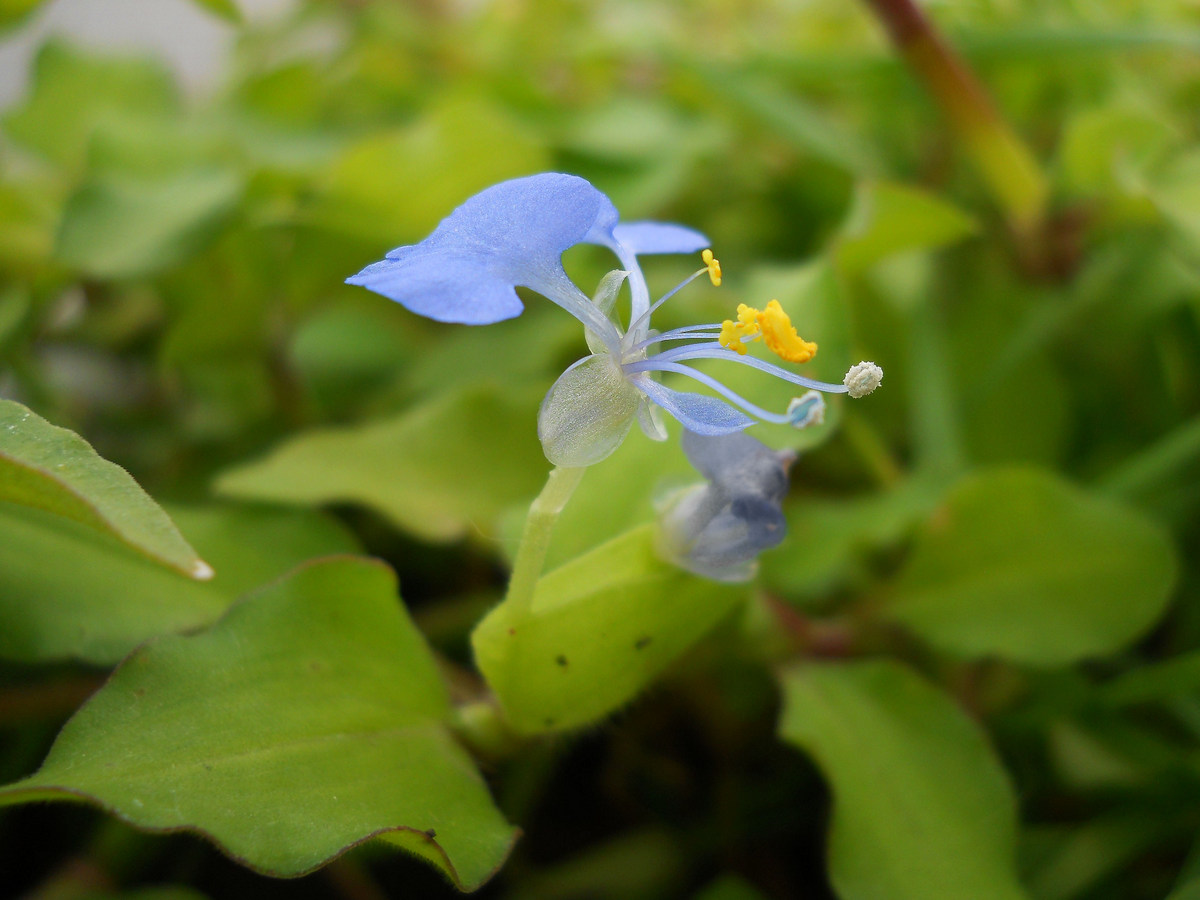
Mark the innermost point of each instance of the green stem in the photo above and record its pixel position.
(535, 540)
(1005, 162)
(937, 431)
(1155, 466)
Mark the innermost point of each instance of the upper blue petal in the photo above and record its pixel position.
(513, 233)
(659, 237)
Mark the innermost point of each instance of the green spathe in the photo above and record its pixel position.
(599, 630)
(309, 720)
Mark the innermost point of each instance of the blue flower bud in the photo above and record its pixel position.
(718, 529)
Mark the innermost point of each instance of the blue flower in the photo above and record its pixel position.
(718, 529)
(514, 234)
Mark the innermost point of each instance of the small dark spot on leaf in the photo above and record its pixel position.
(511, 632)
(430, 833)
(561, 660)
(548, 723)
(316, 665)
(642, 643)
(139, 692)
(207, 767)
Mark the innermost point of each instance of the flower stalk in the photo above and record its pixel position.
(535, 538)
(1007, 165)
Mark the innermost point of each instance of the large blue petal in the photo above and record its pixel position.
(513, 233)
(444, 286)
(696, 412)
(659, 237)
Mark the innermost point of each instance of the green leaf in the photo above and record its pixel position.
(830, 542)
(439, 470)
(53, 469)
(600, 629)
(784, 113)
(252, 545)
(1087, 859)
(226, 9)
(122, 226)
(108, 599)
(1188, 891)
(396, 186)
(1105, 150)
(94, 90)
(922, 808)
(307, 721)
(1020, 564)
(13, 11)
(890, 218)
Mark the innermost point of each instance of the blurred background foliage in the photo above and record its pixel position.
(1013, 515)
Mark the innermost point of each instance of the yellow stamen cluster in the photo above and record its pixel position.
(714, 267)
(746, 327)
(771, 325)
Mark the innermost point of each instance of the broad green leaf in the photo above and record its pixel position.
(94, 90)
(921, 805)
(1086, 858)
(123, 226)
(1166, 680)
(396, 186)
(729, 887)
(1188, 891)
(13, 11)
(600, 629)
(1103, 150)
(1020, 564)
(786, 114)
(636, 865)
(307, 721)
(439, 470)
(226, 9)
(1176, 193)
(68, 592)
(252, 545)
(830, 542)
(890, 218)
(53, 469)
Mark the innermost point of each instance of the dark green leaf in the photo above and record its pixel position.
(438, 470)
(307, 721)
(94, 90)
(121, 226)
(67, 592)
(1021, 564)
(53, 469)
(922, 807)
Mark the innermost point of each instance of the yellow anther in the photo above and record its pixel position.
(781, 337)
(731, 337)
(734, 334)
(714, 267)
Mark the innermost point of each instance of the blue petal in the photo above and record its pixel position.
(444, 287)
(696, 412)
(739, 465)
(659, 237)
(513, 233)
